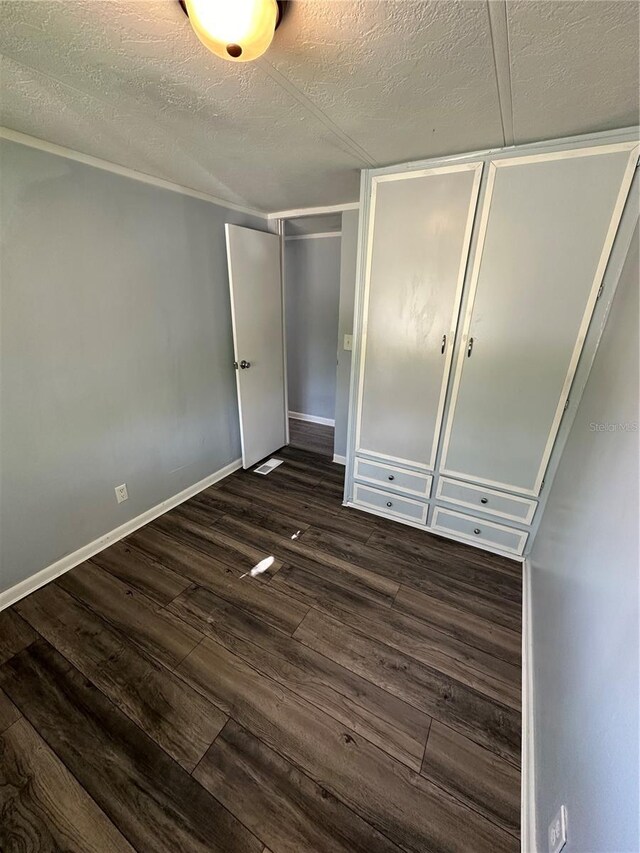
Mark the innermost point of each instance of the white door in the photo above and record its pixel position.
(545, 234)
(255, 286)
(421, 224)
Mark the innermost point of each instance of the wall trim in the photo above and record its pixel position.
(313, 211)
(313, 236)
(125, 171)
(312, 419)
(528, 788)
(499, 29)
(340, 460)
(44, 576)
(279, 226)
(600, 137)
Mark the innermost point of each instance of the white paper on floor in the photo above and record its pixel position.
(261, 567)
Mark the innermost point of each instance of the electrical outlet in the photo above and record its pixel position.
(121, 493)
(348, 342)
(558, 831)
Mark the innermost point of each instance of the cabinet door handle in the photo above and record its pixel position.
(477, 531)
(470, 348)
(391, 477)
(389, 503)
(484, 500)
(444, 344)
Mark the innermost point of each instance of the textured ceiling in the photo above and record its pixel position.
(345, 85)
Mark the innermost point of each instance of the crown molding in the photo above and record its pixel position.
(313, 236)
(125, 171)
(313, 211)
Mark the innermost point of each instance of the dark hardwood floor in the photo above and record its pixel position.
(362, 696)
(316, 438)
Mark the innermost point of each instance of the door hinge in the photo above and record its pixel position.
(566, 405)
(542, 485)
(600, 289)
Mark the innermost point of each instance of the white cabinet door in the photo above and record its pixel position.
(545, 234)
(417, 247)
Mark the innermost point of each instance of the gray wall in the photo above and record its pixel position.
(312, 287)
(116, 360)
(585, 606)
(348, 253)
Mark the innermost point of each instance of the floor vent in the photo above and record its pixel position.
(267, 467)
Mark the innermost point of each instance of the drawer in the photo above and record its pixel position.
(478, 530)
(390, 504)
(486, 500)
(397, 479)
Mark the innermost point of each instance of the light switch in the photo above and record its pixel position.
(348, 342)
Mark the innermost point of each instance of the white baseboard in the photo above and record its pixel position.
(30, 584)
(341, 460)
(312, 419)
(528, 783)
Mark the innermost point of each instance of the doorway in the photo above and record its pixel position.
(312, 273)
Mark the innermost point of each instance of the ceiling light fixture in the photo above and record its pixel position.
(237, 30)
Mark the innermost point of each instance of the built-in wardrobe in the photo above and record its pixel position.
(478, 277)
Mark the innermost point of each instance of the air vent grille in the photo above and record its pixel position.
(267, 467)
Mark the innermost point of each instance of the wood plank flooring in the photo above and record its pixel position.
(316, 438)
(361, 696)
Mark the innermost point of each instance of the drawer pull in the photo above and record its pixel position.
(389, 503)
(477, 531)
(484, 500)
(391, 477)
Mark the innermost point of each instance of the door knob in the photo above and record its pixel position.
(245, 364)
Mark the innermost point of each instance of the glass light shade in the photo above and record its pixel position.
(237, 30)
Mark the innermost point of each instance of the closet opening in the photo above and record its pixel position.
(317, 370)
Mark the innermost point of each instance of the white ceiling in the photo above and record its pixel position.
(345, 85)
